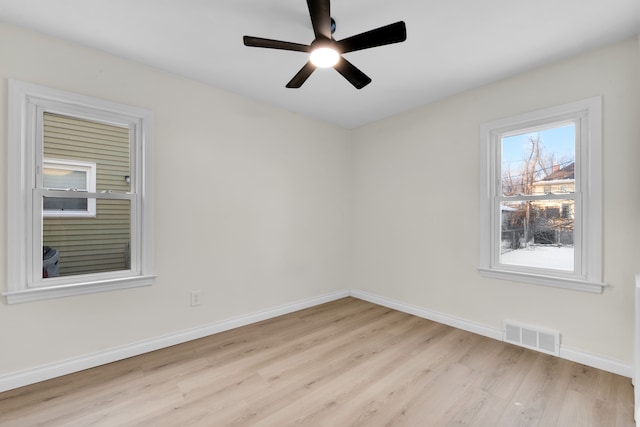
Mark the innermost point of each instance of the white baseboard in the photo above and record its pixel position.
(595, 361)
(568, 353)
(76, 364)
(64, 367)
(446, 319)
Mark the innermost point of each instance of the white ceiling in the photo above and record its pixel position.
(452, 45)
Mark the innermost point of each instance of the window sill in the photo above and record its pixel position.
(536, 279)
(37, 294)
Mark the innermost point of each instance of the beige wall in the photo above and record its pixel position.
(258, 207)
(251, 207)
(417, 201)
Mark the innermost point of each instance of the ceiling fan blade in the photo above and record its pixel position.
(320, 13)
(275, 44)
(392, 33)
(301, 76)
(350, 72)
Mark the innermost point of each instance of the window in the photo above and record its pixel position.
(67, 175)
(80, 194)
(541, 197)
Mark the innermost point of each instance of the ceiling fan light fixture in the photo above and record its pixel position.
(324, 57)
(325, 51)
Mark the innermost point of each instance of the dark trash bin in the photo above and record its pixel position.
(50, 262)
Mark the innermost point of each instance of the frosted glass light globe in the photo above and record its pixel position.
(324, 57)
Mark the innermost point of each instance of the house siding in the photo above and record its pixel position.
(86, 244)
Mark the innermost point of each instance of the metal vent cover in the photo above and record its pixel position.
(543, 340)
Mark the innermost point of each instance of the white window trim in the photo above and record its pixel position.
(74, 165)
(588, 274)
(25, 102)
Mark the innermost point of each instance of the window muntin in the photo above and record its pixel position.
(567, 208)
(126, 192)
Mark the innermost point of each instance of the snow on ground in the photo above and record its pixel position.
(559, 258)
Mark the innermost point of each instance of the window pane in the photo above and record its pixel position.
(538, 234)
(93, 243)
(65, 204)
(88, 245)
(539, 162)
(61, 179)
(72, 139)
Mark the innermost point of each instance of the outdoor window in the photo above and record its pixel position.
(66, 175)
(541, 205)
(80, 196)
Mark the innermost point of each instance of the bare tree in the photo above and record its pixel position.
(510, 182)
(529, 177)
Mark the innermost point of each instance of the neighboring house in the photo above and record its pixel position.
(79, 155)
(561, 180)
(549, 221)
(556, 217)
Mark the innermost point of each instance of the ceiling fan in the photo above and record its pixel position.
(326, 52)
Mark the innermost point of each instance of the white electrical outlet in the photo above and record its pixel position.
(196, 297)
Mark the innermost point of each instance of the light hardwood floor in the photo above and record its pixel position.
(345, 363)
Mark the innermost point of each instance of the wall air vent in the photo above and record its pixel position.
(545, 341)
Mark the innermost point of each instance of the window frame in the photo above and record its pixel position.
(27, 103)
(89, 168)
(587, 274)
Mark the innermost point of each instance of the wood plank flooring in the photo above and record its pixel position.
(345, 363)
